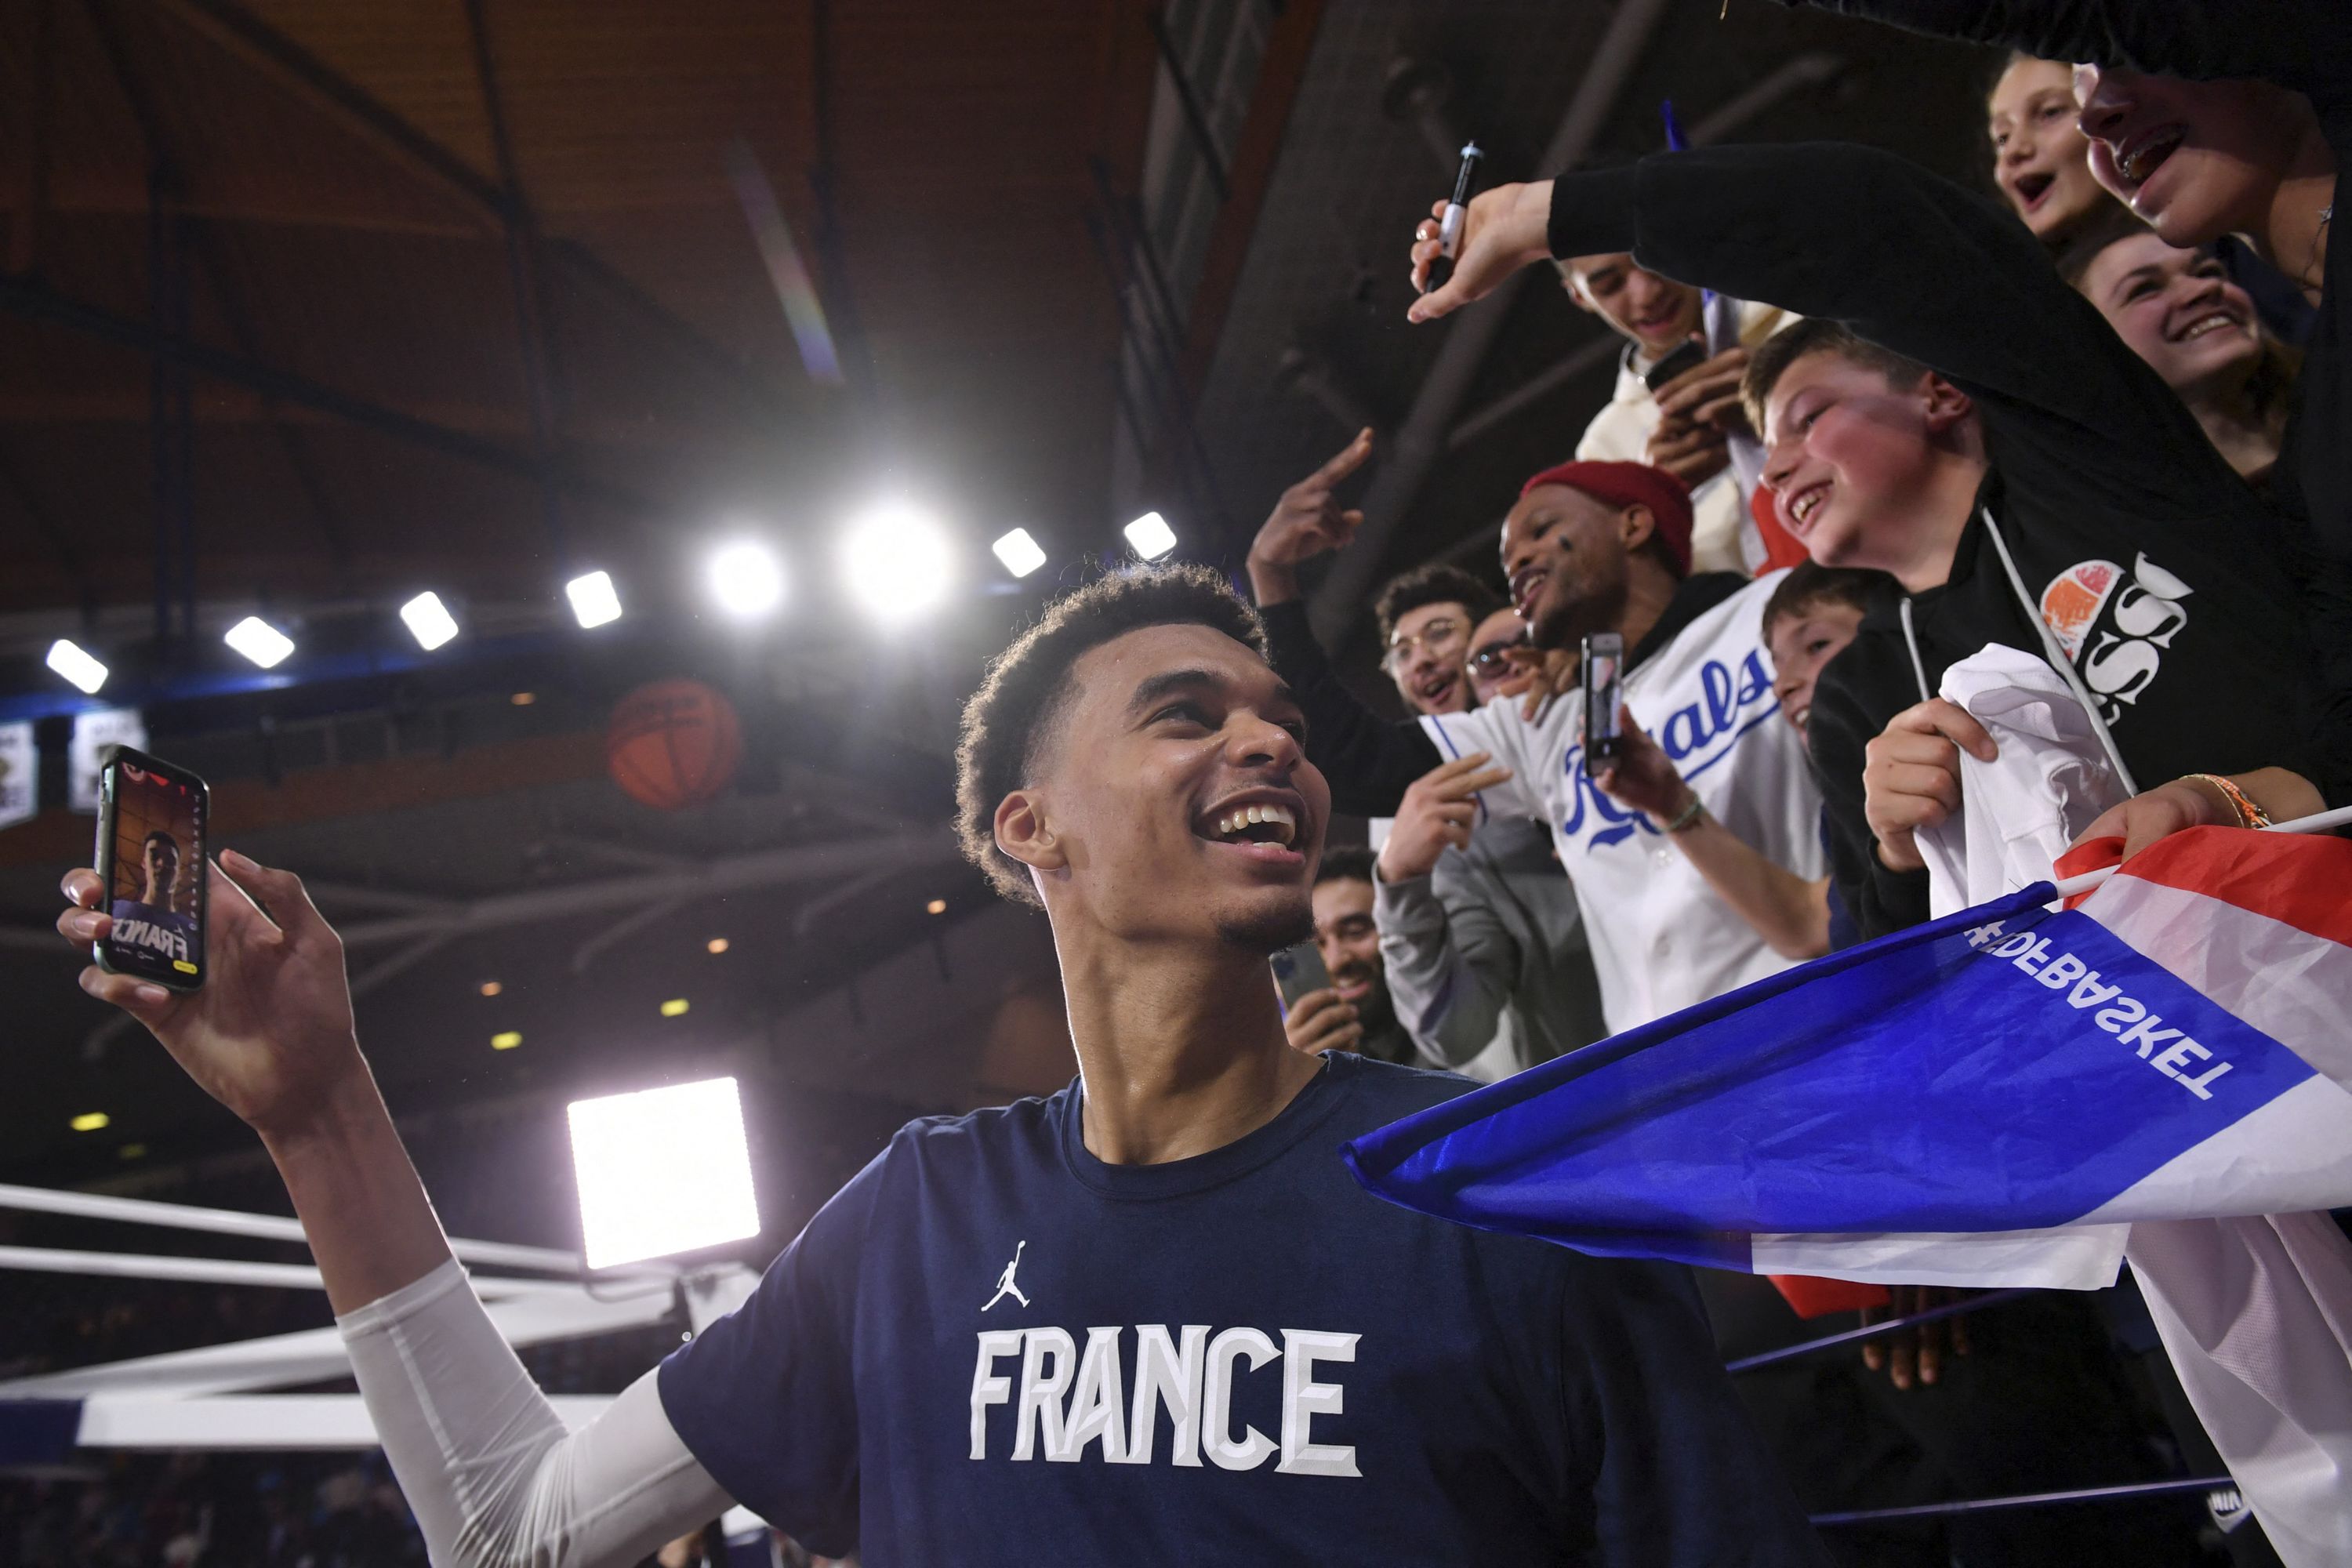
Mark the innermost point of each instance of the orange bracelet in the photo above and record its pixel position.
(2250, 812)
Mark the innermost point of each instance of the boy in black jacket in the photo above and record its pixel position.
(2155, 567)
(2236, 169)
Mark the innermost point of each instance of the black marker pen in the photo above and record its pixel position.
(1449, 227)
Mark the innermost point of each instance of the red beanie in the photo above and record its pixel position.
(1632, 484)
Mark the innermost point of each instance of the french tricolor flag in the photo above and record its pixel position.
(1992, 1099)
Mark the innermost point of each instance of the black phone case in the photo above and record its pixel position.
(103, 862)
(1689, 357)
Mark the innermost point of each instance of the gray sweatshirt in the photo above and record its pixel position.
(1490, 944)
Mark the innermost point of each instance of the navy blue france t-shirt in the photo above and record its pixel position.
(991, 1347)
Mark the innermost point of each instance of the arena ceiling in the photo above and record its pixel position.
(307, 304)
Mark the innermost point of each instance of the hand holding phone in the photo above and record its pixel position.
(269, 1035)
(152, 821)
(1689, 357)
(1297, 972)
(1602, 674)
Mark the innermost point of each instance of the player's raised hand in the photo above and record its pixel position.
(1307, 521)
(269, 1035)
(1503, 230)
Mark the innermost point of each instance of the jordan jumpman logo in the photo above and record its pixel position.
(1004, 1285)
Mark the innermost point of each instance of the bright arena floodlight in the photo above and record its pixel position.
(594, 599)
(260, 641)
(77, 665)
(662, 1171)
(746, 579)
(1019, 553)
(1151, 536)
(897, 561)
(430, 620)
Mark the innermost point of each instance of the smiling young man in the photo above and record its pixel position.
(1481, 940)
(1484, 949)
(1355, 1011)
(1593, 547)
(1150, 1319)
(1426, 616)
(2041, 487)
(1685, 424)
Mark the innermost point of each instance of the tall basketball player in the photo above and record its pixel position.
(1150, 1319)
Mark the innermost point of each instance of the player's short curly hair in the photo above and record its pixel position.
(1008, 720)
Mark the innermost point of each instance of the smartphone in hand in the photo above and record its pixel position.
(152, 822)
(1689, 357)
(1298, 970)
(1604, 664)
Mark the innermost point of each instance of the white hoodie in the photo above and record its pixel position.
(2255, 1314)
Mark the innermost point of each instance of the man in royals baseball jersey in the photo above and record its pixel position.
(1594, 547)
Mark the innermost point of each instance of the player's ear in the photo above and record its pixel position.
(1023, 832)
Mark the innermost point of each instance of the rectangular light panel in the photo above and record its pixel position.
(1151, 536)
(260, 641)
(662, 1171)
(595, 601)
(430, 620)
(77, 665)
(1019, 553)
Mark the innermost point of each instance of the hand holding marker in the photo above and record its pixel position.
(1449, 227)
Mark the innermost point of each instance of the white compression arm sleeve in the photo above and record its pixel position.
(496, 1479)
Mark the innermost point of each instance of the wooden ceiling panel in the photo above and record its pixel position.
(415, 56)
(336, 185)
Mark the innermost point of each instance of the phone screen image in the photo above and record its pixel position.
(1604, 662)
(154, 868)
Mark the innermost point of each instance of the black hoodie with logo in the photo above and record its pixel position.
(2161, 574)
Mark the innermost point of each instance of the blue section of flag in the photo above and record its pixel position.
(2005, 1068)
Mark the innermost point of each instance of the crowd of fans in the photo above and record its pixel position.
(2060, 427)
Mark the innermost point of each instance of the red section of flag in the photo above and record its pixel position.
(1813, 1298)
(2296, 878)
